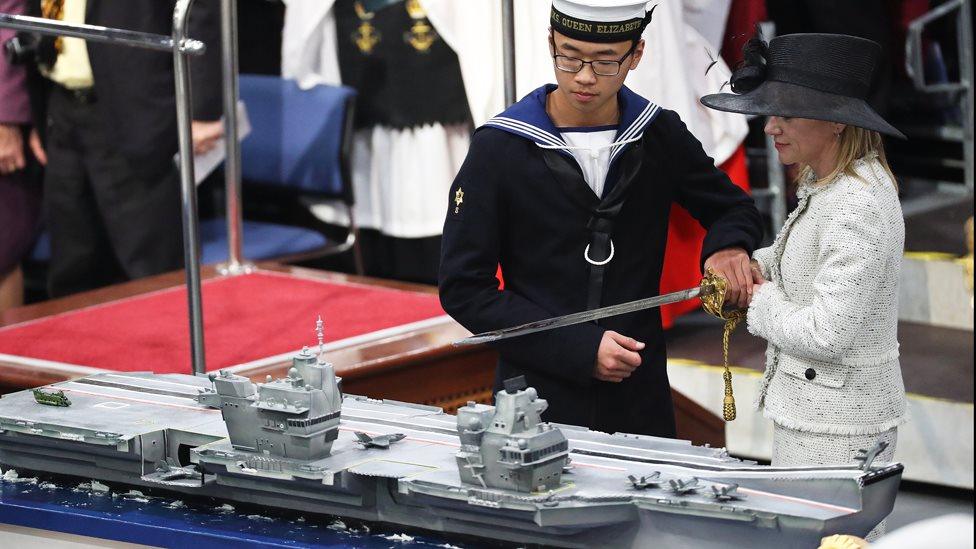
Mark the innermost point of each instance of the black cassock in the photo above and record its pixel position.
(522, 203)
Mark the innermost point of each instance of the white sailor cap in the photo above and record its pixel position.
(600, 20)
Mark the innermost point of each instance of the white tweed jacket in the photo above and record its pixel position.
(830, 308)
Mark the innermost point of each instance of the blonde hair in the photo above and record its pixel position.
(855, 143)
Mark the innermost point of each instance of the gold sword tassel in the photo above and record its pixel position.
(712, 304)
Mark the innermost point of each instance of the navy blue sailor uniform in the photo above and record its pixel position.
(520, 201)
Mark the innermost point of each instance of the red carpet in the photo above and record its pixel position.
(245, 318)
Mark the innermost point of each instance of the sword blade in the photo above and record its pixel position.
(587, 316)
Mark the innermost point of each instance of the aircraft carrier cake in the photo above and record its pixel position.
(494, 471)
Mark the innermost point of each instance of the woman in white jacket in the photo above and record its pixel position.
(827, 299)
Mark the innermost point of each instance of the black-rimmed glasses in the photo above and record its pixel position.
(566, 63)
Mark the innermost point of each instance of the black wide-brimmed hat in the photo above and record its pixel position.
(818, 76)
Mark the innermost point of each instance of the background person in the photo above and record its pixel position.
(111, 188)
(19, 200)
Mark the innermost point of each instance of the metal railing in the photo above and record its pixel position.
(775, 192)
(508, 50)
(236, 263)
(181, 47)
(96, 33)
(963, 89)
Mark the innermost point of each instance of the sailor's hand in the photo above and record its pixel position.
(617, 357)
(732, 264)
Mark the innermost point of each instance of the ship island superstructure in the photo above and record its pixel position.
(507, 445)
(497, 471)
(295, 417)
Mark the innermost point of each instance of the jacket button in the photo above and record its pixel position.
(810, 373)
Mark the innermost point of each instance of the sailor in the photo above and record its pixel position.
(568, 191)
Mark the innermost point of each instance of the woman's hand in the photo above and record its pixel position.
(11, 149)
(757, 276)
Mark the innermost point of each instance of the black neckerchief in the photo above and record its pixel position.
(603, 211)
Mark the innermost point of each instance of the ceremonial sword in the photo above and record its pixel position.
(709, 285)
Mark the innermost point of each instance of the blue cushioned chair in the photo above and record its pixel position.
(299, 146)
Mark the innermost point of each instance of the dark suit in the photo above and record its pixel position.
(111, 189)
(529, 209)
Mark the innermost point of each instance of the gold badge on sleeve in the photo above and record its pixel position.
(458, 199)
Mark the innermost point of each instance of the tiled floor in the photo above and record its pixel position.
(921, 501)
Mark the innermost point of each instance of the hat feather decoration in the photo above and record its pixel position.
(751, 72)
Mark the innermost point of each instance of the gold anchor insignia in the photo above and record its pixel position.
(458, 199)
(421, 36)
(366, 36)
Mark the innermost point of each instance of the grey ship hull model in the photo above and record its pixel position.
(493, 471)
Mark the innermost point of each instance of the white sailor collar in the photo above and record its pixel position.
(528, 119)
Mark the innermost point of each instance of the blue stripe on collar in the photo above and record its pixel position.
(528, 118)
(635, 131)
(635, 114)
